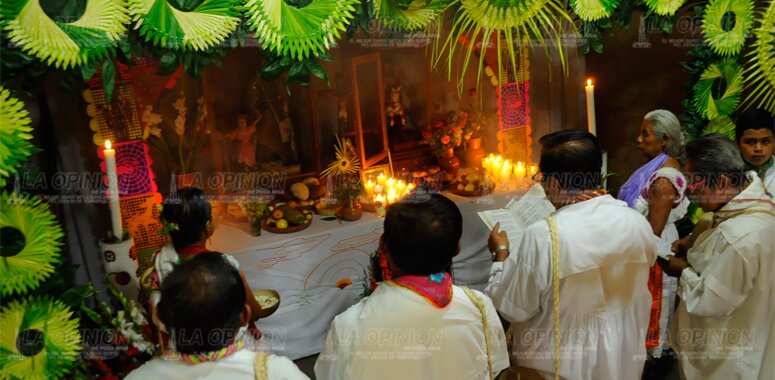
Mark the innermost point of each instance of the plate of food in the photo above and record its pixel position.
(284, 219)
(268, 299)
(304, 195)
(470, 184)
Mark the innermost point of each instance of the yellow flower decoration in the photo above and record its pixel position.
(347, 162)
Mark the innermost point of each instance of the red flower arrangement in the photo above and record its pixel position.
(445, 131)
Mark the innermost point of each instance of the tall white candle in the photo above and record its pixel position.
(590, 90)
(115, 208)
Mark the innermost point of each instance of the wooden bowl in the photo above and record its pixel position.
(476, 193)
(270, 309)
(288, 230)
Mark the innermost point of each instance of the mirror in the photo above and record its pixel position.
(368, 92)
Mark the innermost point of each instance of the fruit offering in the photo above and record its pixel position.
(305, 194)
(470, 183)
(285, 219)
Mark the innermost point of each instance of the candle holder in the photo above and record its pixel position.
(119, 267)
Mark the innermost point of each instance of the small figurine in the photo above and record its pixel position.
(246, 154)
(395, 110)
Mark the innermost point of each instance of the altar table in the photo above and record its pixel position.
(321, 271)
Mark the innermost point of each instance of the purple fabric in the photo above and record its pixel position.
(630, 191)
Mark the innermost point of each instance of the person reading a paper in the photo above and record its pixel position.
(580, 275)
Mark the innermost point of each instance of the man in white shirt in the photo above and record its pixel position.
(724, 326)
(605, 251)
(203, 305)
(754, 130)
(417, 324)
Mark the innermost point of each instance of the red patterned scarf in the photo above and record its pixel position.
(436, 288)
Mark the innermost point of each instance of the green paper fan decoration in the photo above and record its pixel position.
(299, 33)
(664, 7)
(591, 10)
(728, 72)
(24, 265)
(65, 44)
(417, 15)
(509, 23)
(727, 42)
(39, 340)
(722, 125)
(199, 29)
(15, 133)
(759, 73)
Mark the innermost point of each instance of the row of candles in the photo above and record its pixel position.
(503, 173)
(386, 190)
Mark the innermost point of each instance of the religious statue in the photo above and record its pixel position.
(246, 154)
(395, 110)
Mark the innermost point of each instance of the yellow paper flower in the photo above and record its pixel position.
(347, 162)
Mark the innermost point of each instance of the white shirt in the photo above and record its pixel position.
(605, 254)
(396, 334)
(769, 178)
(724, 326)
(238, 366)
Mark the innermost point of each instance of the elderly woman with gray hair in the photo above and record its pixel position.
(657, 190)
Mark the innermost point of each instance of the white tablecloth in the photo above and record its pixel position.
(321, 271)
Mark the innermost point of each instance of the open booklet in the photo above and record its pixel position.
(519, 214)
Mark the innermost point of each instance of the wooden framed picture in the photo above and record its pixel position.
(374, 171)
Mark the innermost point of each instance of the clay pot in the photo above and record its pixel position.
(474, 153)
(350, 210)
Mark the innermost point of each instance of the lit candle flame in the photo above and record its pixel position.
(589, 82)
(107, 144)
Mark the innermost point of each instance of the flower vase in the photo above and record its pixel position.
(255, 225)
(120, 268)
(350, 210)
(449, 164)
(474, 152)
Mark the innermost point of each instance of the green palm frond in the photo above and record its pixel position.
(509, 23)
(417, 15)
(664, 7)
(728, 72)
(66, 44)
(199, 29)
(722, 125)
(591, 10)
(39, 339)
(727, 42)
(39, 250)
(299, 33)
(15, 133)
(759, 72)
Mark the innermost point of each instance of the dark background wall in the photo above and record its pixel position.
(633, 76)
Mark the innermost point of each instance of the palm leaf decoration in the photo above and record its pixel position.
(727, 42)
(299, 33)
(508, 23)
(664, 7)
(39, 340)
(727, 73)
(27, 261)
(65, 44)
(415, 16)
(15, 133)
(722, 125)
(759, 73)
(199, 29)
(347, 162)
(591, 10)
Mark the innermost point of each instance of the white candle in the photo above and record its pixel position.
(590, 90)
(378, 189)
(381, 178)
(519, 173)
(369, 187)
(115, 208)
